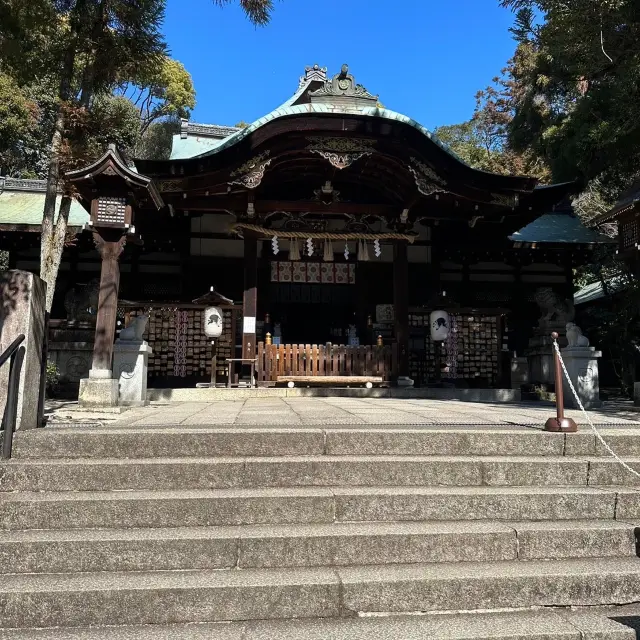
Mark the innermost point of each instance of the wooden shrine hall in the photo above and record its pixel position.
(334, 226)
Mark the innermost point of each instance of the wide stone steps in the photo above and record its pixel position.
(306, 471)
(194, 441)
(520, 625)
(339, 544)
(316, 533)
(205, 508)
(84, 599)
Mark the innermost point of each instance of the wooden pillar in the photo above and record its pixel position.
(250, 298)
(401, 305)
(110, 245)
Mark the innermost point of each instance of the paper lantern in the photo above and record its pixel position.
(439, 322)
(212, 321)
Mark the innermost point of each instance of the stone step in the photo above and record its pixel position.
(520, 625)
(93, 599)
(337, 544)
(200, 441)
(291, 471)
(157, 509)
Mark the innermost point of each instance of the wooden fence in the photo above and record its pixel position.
(323, 360)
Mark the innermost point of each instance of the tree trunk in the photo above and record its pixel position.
(51, 250)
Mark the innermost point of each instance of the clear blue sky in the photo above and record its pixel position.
(425, 58)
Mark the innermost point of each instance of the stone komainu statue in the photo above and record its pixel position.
(135, 330)
(81, 302)
(555, 309)
(575, 337)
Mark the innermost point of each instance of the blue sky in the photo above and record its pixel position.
(425, 58)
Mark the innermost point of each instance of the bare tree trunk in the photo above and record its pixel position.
(52, 248)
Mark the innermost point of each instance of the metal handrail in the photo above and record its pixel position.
(11, 349)
(14, 353)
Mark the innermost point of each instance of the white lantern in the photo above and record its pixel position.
(212, 322)
(439, 322)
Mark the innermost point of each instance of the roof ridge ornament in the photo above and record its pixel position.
(316, 73)
(343, 87)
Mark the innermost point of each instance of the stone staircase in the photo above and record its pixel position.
(316, 534)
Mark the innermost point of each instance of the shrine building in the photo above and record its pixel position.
(329, 228)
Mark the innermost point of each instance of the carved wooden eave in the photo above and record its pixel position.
(110, 167)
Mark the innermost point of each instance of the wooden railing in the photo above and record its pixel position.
(323, 360)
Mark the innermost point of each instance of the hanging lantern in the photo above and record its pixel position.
(439, 322)
(212, 322)
(275, 246)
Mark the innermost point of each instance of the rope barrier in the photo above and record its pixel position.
(586, 415)
(320, 235)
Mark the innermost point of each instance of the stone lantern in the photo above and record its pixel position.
(112, 192)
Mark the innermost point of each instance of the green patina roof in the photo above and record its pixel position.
(195, 147)
(558, 228)
(26, 207)
(202, 146)
(595, 291)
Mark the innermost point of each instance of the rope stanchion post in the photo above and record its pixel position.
(560, 423)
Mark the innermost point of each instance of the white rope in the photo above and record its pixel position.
(586, 415)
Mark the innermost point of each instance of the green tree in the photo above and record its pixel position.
(167, 92)
(17, 120)
(86, 49)
(579, 71)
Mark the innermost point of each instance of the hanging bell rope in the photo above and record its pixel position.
(294, 249)
(238, 227)
(328, 251)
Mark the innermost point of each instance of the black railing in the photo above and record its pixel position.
(15, 354)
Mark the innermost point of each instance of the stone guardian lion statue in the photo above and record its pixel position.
(555, 310)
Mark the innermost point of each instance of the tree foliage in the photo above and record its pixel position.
(108, 78)
(483, 142)
(258, 11)
(165, 92)
(580, 74)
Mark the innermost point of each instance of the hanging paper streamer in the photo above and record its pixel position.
(376, 248)
(275, 246)
(328, 251)
(309, 247)
(363, 251)
(294, 250)
(346, 250)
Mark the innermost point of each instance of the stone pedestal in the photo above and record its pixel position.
(540, 355)
(405, 382)
(519, 371)
(23, 311)
(71, 350)
(130, 365)
(582, 366)
(98, 390)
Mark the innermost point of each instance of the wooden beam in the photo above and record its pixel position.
(239, 203)
(250, 298)
(401, 305)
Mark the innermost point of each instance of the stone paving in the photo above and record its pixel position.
(341, 412)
